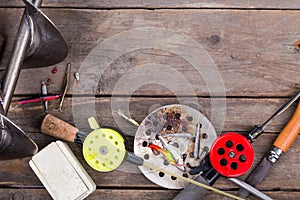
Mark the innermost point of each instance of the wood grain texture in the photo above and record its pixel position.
(145, 193)
(37, 194)
(289, 4)
(254, 50)
(241, 113)
(17, 173)
(252, 43)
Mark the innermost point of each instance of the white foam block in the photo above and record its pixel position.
(61, 173)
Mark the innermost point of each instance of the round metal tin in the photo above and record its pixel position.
(176, 124)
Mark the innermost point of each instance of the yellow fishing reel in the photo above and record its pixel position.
(104, 149)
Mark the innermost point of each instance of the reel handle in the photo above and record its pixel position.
(290, 132)
(56, 127)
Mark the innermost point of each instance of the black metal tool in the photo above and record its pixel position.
(208, 175)
(257, 130)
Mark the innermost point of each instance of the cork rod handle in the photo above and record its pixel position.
(55, 127)
(290, 132)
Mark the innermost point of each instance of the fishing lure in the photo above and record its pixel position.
(166, 153)
(77, 77)
(38, 99)
(54, 70)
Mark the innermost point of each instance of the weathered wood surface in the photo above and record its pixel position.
(241, 113)
(17, 173)
(289, 4)
(37, 194)
(253, 50)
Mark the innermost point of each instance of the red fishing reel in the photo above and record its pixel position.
(231, 154)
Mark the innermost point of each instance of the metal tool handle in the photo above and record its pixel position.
(290, 132)
(55, 127)
(16, 59)
(193, 192)
(249, 188)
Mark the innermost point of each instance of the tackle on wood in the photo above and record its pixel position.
(129, 119)
(54, 70)
(49, 81)
(77, 77)
(65, 87)
(44, 93)
(168, 155)
(38, 99)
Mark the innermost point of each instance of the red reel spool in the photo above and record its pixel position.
(231, 155)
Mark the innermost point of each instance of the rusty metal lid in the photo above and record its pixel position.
(176, 126)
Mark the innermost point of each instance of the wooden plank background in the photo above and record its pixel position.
(254, 4)
(253, 44)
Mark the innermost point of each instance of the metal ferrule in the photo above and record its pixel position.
(80, 137)
(274, 154)
(254, 133)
